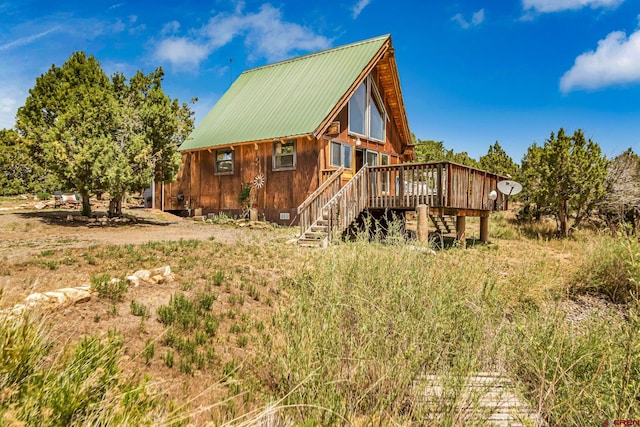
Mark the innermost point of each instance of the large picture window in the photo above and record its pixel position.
(224, 161)
(367, 115)
(341, 154)
(284, 154)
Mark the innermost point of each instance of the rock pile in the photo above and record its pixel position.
(69, 296)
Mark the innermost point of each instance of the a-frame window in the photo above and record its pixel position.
(367, 115)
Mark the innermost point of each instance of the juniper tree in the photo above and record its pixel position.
(69, 118)
(498, 161)
(565, 177)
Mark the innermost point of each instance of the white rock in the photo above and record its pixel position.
(36, 298)
(75, 295)
(57, 297)
(163, 271)
(18, 309)
(142, 274)
(133, 281)
(84, 287)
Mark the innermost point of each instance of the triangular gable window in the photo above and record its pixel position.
(367, 116)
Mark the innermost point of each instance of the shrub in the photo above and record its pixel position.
(612, 268)
(113, 289)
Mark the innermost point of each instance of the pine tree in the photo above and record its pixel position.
(565, 177)
(69, 118)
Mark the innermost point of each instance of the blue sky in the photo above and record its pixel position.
(472, 72)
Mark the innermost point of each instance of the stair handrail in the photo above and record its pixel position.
(340, 219)
(317, 199)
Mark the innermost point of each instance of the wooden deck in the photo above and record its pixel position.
(446, 188)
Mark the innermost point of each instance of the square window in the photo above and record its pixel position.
(284, 154)
(224, 161)
(341, 155)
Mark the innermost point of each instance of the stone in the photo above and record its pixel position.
(40, 205)
(84, 287)
(199, 218)
(36, 298)
(133, 281)
(69, 217)
(57, 297)
(163, 271)
(18, 309)
(75, 295)
(158, 279)
(143, 274)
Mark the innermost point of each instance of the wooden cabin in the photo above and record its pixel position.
(294, 134)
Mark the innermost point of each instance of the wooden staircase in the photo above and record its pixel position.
(317, 235)
(322, 219)
(445, 224)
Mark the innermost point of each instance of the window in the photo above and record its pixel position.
(372, 158)
(367, 116)
(224, 161)
(341, 154)
(284, 155)
(377, 121)
(358, 110)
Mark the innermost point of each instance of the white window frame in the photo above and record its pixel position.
(217, 170)
(276, 155)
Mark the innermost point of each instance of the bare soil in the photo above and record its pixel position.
(47, 249)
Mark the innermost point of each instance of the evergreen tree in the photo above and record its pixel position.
(151, 128)
(19, 173)
(102, 135)
(565, 177)
(498, 161)
(69, 118)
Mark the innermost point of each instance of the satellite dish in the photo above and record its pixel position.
(509, 188)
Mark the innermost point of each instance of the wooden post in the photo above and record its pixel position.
(422, 212)
(461, 225)
(484, 229)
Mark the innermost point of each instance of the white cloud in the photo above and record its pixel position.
(8, 106)
(359, 7)
(476, 19)
(615, 61)
(27, 39)
(181, 51)
(265, 34)
(560, 5)
(170, 28)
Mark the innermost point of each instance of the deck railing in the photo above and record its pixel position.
(311, 209)
(348, 203)
(437, 184)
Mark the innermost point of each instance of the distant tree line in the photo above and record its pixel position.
(82, 131)
(567, 178)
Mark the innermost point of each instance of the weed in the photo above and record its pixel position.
(148, 351)
(140, 310)
(113, 289)
(254, 292)
(242, 341)
(217, 278)
(168, 358)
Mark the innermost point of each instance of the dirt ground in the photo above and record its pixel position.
(47, 249)
(26, 233)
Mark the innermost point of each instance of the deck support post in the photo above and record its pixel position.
(484, 229)
(461, 225)
(422, 212)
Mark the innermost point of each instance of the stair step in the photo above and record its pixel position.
(310, 243)
(319, 228)
(313, 235)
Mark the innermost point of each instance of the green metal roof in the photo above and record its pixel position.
(284, 99)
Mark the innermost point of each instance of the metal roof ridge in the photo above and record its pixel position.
(321, 52)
